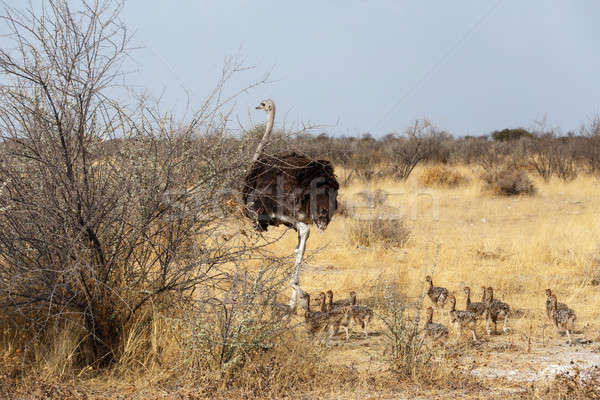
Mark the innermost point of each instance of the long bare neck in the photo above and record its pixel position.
(323, 304)
(468, 298)
(265, 138)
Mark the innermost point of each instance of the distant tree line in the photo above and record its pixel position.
(543, 151)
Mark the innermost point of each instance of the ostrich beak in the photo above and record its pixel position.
(259, 107)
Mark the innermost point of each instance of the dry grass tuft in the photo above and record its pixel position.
(507, 182)
(442, 176)
(386, 232)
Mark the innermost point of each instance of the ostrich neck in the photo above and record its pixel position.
(268, 129)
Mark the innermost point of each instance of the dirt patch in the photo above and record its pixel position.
(541, 363)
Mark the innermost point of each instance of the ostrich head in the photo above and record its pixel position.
(266, 105)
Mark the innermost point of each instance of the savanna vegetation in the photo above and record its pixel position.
(127, 268)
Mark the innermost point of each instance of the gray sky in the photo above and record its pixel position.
(374, 66)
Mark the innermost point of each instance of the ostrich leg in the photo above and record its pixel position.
(297, 295)
(303, 233)
(297, 292)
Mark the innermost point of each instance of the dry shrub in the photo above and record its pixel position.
(369, 232)
(231, 350)
(292, 365)
(508, 182)
(103, 210)
(442, 176)
(166, 347)
(576, 384)
(411, 356)
(408, 355)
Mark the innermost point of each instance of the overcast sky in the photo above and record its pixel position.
(374, 66)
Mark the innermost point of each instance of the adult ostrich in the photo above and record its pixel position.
(289, 189)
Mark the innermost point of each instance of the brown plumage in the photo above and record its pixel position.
(315, 321)
(462, 318)
(563, 318)
(495, 309)
(438, 295)
(435, 331)
(351, 300)
(341, 318)
(361, 315)
(476, 307)
(290, 188)
(560, 306)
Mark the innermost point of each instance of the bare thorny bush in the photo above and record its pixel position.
(419, 143)
(552, 156)
(406, 345)
(108, 210)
